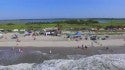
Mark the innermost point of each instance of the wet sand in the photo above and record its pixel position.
(10, 56)
(72, 50)
(75, 50)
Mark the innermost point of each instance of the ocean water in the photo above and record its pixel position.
(42, 20)
(18, 21)
(75, 62)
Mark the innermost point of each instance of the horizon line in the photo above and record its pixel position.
(58, 18)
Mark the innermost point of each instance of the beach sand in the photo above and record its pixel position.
(43, 48)
(89, 43)
(55, 41)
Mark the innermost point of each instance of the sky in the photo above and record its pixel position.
(38, 9)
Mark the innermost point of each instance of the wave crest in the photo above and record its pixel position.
(96, 62)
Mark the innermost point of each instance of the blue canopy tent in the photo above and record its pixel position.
(78, 34)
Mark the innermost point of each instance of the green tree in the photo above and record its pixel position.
(10, 24)
(87, 22)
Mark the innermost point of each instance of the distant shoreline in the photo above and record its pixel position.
(64, 18)
(18, 21)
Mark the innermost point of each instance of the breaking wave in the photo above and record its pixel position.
(96, 62)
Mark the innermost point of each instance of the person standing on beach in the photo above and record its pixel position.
(18, 41)
(82, 47)
(92, 44)
(34, 36)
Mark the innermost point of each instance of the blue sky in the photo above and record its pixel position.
(28, 9)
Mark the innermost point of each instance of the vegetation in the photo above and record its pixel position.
(64, 25)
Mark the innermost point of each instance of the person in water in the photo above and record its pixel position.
(86, 47)
(78, 46)
(107, 48)
(20, 50)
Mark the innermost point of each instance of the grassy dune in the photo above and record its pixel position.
(64, 25)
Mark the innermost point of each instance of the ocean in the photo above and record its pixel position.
(96, 62)
(11, 59)
(23, 21)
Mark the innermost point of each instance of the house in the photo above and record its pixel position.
(94, 29)
(15, 30)
(1, 35)
(22, 30)
(2, 30)
(101, 29)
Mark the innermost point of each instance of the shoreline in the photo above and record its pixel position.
(72, 50)
(19, 55)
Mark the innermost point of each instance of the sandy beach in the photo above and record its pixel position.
(55, 41)
(63, 43)
(45, 49)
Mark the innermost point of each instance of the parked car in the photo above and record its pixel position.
(1, 35)
(93, 38)
(14, 36)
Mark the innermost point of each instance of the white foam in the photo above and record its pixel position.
(17, 67)
(97, 62)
